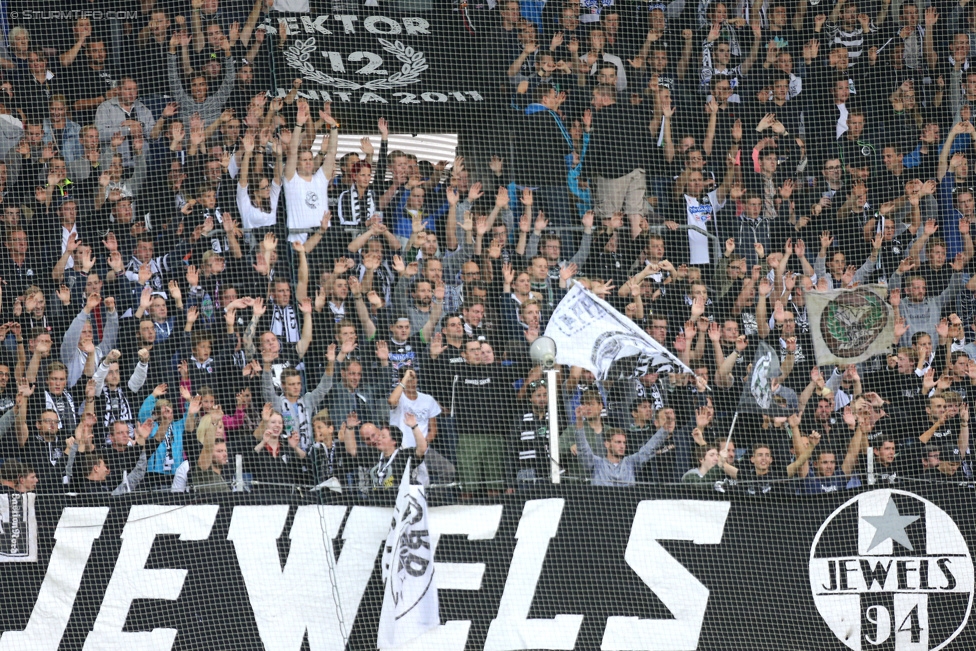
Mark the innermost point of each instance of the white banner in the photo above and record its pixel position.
(18, 528)
(590, 333)
(849, 326)
(410, 605)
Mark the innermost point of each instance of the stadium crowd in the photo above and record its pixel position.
(702, 167)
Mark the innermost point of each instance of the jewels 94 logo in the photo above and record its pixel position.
(891, 570)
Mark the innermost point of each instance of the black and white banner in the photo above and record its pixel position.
(18, 528)
(666, 568)
(410, 66)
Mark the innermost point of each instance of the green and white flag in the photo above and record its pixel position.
(849, 326)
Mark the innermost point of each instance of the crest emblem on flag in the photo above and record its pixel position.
(852, 321)
(849, 326)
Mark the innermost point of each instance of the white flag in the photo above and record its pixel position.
(590, 333)
(410, 605)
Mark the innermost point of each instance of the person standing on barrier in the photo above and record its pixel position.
(699, 208)
(480, 398)
(616, 151)
(543, 144)
(307, 177)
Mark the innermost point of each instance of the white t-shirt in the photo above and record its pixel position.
(700, 214)
(424, 408)
(307, 202)
(253, 217)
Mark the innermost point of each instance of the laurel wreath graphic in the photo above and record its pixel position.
(299, 56)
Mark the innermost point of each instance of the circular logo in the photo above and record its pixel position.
(311, 199)
(851, 322)
(891, 570)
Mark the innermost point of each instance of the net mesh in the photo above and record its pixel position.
(287, 250)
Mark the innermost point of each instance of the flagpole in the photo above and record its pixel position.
(729, 437)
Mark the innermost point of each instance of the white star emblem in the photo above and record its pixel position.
(890, 525)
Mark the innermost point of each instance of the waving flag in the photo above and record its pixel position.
(590, 333)
(410, 605)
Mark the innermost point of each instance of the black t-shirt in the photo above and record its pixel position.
(663, 467)
(936, 280)
(751, 483)
(48, 460)
(285, 468)
(407, 353)
(32, 97)
(947, 438)
(87, 83)
(120, 463)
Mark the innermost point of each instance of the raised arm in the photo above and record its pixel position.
(723, 190)
(328, 165)
(754, 50)
(803, 452)
(305, 305)
(946, 149)
(291, 164)
(301, 288)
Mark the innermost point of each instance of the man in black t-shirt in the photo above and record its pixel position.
(123, 453)
(949, 434)
(92, 82)
(760, 478)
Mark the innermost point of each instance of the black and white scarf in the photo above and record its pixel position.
(296, 419)
(354, 209)
(218, 242)
(116, 406)
(284, 323)
(64, 407)
(326, 457)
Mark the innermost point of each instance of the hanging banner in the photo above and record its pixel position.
(411, 67)
(849, 326)
(569, 567)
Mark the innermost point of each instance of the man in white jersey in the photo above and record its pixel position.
(699, 208)
(307, 177)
